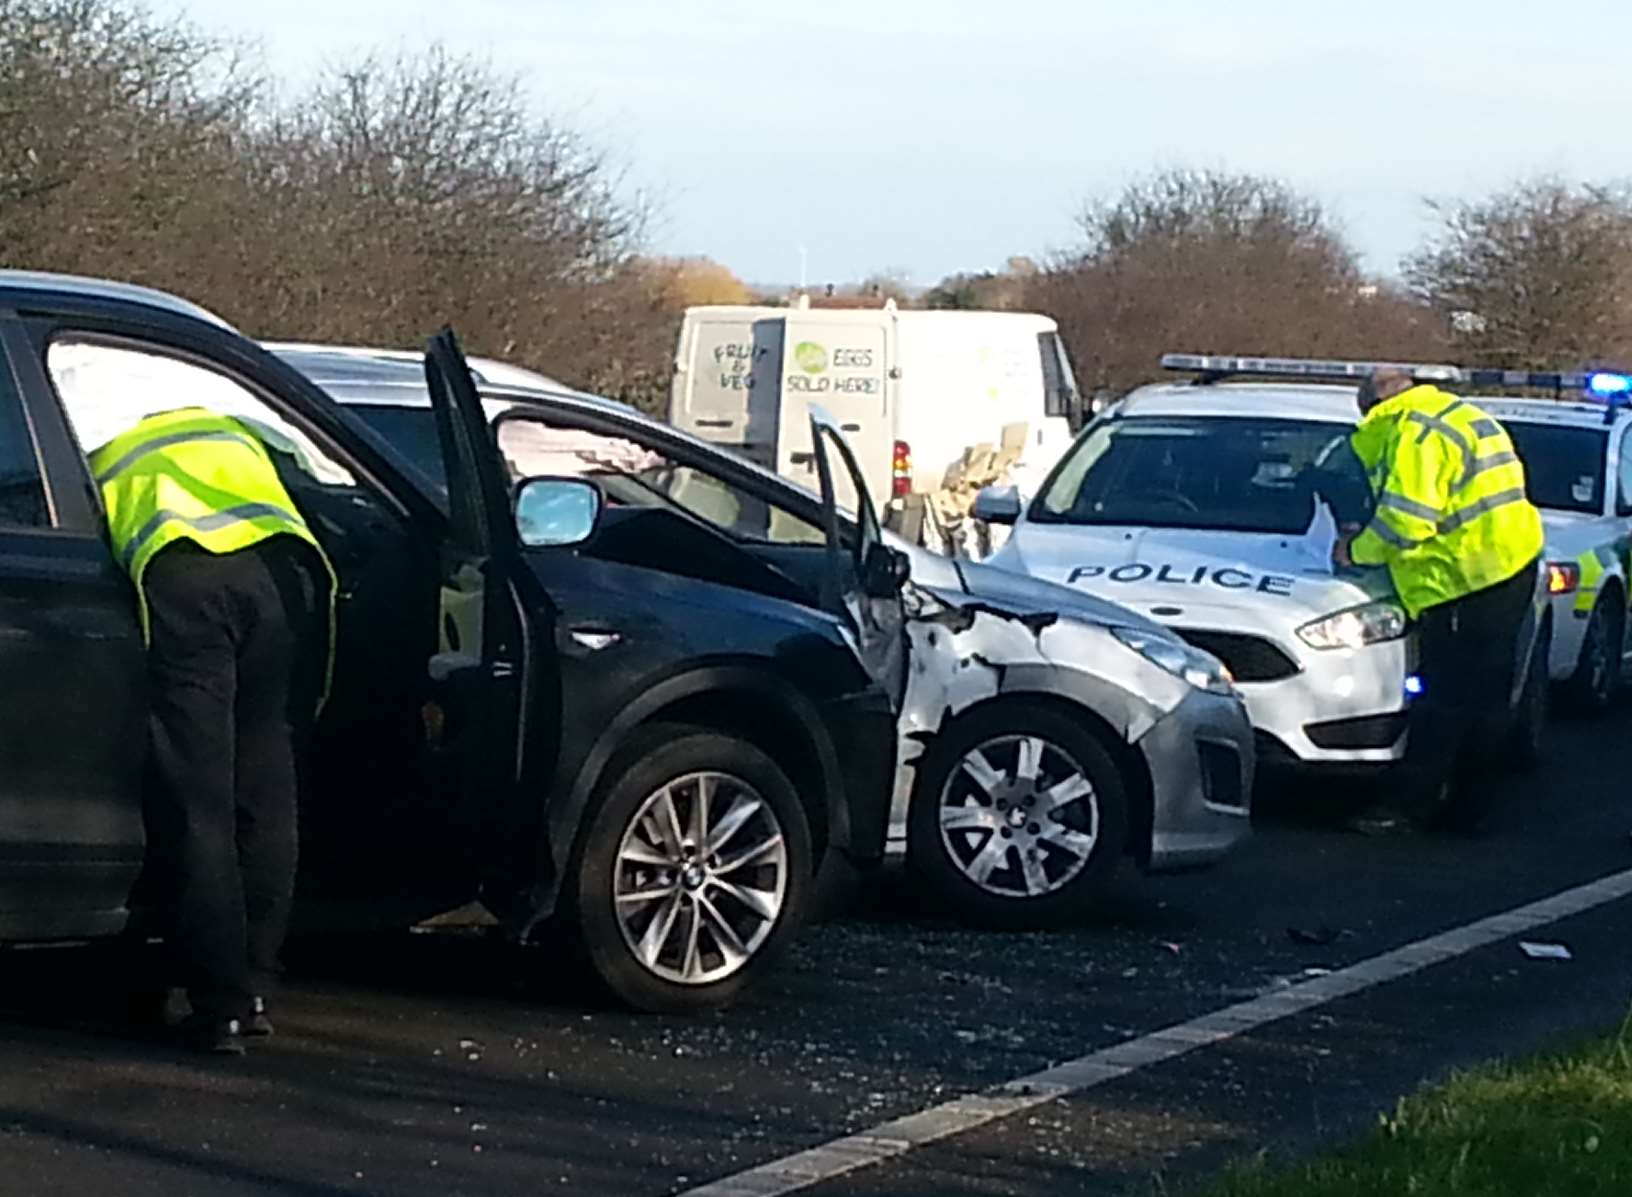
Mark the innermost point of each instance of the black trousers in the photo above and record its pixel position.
(235, 661)
(1469, 650)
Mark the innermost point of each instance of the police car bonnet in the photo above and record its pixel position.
(1183, 567)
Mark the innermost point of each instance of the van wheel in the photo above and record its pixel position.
(693, 872)
(1591, 688)
(1018, 817)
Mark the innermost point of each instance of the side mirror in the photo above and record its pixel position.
(553, 512)
(885, 571)
(998, 504)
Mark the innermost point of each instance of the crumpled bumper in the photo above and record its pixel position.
(1201, 761)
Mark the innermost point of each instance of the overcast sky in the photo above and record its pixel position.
(930, 136)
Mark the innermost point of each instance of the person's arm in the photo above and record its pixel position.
(1413, 497)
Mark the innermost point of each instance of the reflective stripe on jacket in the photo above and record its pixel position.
(191, 475)
(1452, 516)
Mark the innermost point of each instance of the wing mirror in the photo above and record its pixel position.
(998, 504)
(555, 512)
(885, 571)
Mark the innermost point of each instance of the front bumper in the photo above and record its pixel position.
(1201, 761)
(1342, 707)
(863, 732)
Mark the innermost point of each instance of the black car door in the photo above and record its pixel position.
(491, 657)
(72, 681)
(863, 581)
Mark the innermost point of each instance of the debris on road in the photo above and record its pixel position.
(1545, 951)
(1318, 937)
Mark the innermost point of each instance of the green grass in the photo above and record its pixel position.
(1558, 1124)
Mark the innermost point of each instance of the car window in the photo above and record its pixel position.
(1563, 467)
(107, 388)
(633, 474)
(22, 493)
(1223, 473)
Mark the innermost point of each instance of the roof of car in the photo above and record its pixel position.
(342, 359)
(1547, 411)
(79, 287)
(1251, 400)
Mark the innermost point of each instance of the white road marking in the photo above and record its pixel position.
(901, 1135)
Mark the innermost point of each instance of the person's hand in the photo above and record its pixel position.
(1340, 552)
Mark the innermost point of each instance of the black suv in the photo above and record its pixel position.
(658, 748)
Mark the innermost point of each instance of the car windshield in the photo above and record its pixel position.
(1563, 467)
(1220, 473)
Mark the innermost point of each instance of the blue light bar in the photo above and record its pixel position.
(1606, 384)
(1211, 366)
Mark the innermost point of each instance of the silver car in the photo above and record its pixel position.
(1046, 734)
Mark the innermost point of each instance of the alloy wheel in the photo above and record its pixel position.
(701, 878)
(1019, 816)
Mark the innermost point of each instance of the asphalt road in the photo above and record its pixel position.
(446, 1065)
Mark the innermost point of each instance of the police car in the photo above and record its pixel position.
(1578, 466)
(1212, 505)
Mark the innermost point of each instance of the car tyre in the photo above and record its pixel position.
(730, 891)
(974, 810)
(1592, 687)
(1529, 727)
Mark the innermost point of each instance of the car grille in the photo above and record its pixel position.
(1248, 658)
(1364, 731)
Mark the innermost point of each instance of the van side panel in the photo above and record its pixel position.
(964, 376)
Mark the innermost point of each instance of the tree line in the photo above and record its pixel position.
(394, 193)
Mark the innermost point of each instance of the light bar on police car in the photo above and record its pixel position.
(1214, 366)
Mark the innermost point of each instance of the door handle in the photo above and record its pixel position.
(594, 637)
(803, 459)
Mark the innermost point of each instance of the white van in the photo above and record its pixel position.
(913, 390)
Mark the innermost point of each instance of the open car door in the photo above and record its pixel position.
(863, 580)
(482, 665)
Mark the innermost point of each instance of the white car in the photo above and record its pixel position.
(1212, 506)
(1578, 466)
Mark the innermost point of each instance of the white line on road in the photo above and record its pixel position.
(901, 1135)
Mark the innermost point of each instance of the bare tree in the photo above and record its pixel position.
(1209, 261)
(1534, 276)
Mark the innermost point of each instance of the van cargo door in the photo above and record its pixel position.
(844, 369)
(727, 388)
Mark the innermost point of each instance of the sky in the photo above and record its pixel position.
(925, 137)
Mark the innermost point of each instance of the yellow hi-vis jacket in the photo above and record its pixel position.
(1452, 517)
(191, 475)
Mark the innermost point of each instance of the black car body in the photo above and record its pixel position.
(491, 701)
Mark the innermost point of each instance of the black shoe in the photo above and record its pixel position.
(258, 1025)
(214, 1036)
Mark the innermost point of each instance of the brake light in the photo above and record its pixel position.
(1563, 577)
(901, 470)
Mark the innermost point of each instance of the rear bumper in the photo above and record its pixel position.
(1201, 759)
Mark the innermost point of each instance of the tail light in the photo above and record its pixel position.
(901, 470)
(1563, 577)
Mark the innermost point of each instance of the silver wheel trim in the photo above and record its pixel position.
(700, 878)
(1018, 816)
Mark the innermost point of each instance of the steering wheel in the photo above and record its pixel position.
(1171, 497)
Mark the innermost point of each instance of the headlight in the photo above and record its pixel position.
(1202, 670)
(1371, 623)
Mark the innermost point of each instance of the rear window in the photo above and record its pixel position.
(411, 431)
(1563, 467)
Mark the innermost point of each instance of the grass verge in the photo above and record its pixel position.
(1555, 1124)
